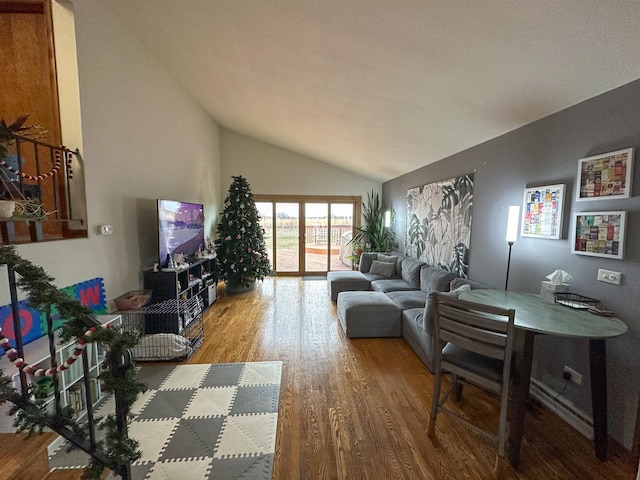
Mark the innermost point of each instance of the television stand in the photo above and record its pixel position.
(178, 300)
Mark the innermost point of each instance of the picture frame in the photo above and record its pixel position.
(599, 234)
(542, 209)
(606, 176)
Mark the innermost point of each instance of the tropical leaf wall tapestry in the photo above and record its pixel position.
(439, 223)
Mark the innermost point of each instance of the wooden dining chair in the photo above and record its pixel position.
(477, 340)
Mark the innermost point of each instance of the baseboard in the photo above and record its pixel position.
(562, 407)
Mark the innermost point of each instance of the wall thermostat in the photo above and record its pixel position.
(106, 229)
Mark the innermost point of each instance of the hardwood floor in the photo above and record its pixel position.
(358, 409)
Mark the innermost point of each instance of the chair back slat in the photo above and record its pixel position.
(473, 345)
(473, 332)
(469, 315)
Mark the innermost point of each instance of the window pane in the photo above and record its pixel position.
(341, 233)
(287, 235)
(316, 238)
(265, 210)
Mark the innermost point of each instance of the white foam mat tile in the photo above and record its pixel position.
(261, 373)
(185, 376)
(152, 436)
(211, 402)
(248, 435)
(192, 469)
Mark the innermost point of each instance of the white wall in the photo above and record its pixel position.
(271, 170)
(144, 138)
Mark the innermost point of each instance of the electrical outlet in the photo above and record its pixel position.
(105, 229)
(609, 276)
(574, 376)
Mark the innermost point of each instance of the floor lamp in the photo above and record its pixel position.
(512, 235)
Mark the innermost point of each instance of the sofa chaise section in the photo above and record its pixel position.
(368, 314)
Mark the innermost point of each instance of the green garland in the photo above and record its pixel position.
(117, 449)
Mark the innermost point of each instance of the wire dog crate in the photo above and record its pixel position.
(168, 330)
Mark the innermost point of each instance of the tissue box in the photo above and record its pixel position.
(547, 289)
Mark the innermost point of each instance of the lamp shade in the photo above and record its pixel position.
(512, 223)
(387, 218)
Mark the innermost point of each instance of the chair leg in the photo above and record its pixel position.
(431, 429)
(498, 469)
(458, 390)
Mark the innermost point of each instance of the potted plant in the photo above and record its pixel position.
(374, 234)
(356, 252)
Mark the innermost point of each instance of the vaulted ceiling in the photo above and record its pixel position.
(382, 87)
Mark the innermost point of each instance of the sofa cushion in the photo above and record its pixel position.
(372, 276)
(411, 271)
(435, 279)
(365, 261)
(386, 269)
(368, 314)
(399, 259)
(406, 299)
(391, 285)
(383, 257)
(414, 334)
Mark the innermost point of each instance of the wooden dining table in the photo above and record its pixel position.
(535, 315)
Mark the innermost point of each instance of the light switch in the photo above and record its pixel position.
(609, 276)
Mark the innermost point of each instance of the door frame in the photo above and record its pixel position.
(301, 200)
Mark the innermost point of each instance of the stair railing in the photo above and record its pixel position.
(46, 182)
(119, 366)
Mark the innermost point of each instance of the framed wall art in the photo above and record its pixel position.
(605, 176)
(542, 211)
(599, 234)
(438, 228)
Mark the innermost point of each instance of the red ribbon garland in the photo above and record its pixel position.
(12, 354)
(42, 176)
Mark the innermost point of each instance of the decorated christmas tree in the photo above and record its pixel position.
(240, 248)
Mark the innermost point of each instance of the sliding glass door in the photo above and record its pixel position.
(308, 235)
(287, 237)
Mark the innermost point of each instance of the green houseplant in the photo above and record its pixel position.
(374, 234)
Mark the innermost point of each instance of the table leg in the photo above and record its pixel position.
(522, 379)
(598, 367)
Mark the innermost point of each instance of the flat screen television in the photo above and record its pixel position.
(180, 229)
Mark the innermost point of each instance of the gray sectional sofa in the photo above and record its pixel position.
(389, 297)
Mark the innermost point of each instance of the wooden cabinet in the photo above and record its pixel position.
(192, 280)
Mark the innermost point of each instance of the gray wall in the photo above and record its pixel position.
(542, 153)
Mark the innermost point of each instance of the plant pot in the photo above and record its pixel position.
(236, 287)
(7, 207)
